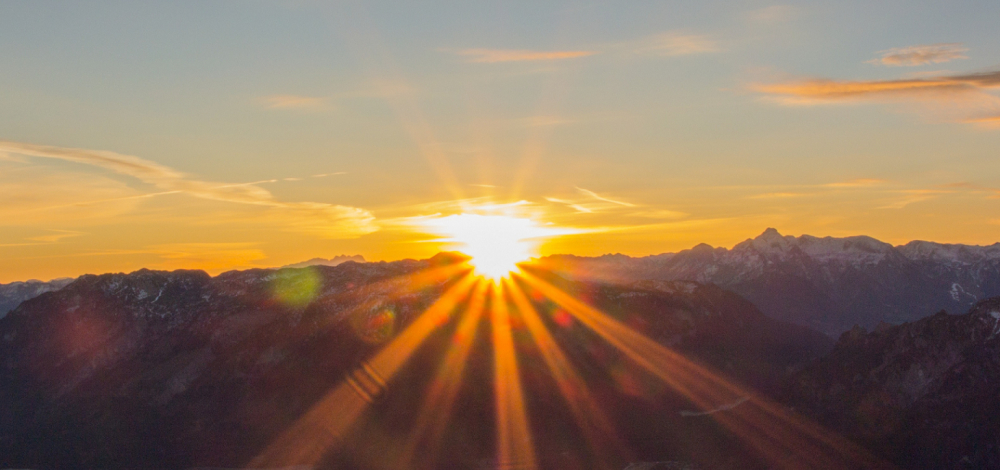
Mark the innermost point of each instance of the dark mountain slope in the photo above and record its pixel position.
(926, 394)
(179, 369)
(11, 295)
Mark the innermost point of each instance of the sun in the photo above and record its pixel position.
(495, 243)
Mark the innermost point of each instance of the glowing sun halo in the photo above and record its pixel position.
(496, 243)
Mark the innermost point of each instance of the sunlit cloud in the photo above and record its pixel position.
(911, 197)
(958, 97)
(779, 195)
(31, 195)
(490, 56)
(571, 204)
(659, 214)
(294, 102)
(921, 55)
(337, 221)
(605, 199)
(674, 43)
(988, 121)
(56, 236)
(833, 90)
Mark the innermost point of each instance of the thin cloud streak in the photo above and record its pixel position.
(834, 90)
(921, 55)
(602, 198)
(952, 97)
(350, 221)
(294, 102)
(491, 56)
(673, 43)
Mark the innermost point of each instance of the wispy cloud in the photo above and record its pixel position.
(664, 44)
(913, 196)
(959, 97)
(673, 43)
(603, 198)
(834, 90)
(856, 183)
(338, 221)
(659, 214)
(988, 121)
(921, 55)
(776, 195)
(490, 56)
(294, 102)
(56, 236)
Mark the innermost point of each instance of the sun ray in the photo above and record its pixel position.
(514, 445)
(784, 439)
(590, 418)
(396, 287)
(307, 440)
(439, 399)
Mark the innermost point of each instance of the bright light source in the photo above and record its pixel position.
(496, 243)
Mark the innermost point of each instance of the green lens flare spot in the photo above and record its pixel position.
(296, 287)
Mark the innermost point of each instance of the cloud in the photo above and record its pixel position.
(784, 195)
(490, 56)
(856, 183)
(913, 196)
(55, 237)
(954, 96)
(660, 214)
(602, 198)
(921, 55)
(673, 43)
(294, 102)
(988, 121)
(834, 90)
(31, 195)
(351, 220)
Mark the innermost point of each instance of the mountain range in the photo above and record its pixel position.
(157, 369)
(180, 369)
(828, 284)
(11, 295)
(923, 393)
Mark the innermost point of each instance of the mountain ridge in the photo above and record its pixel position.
(827, 283)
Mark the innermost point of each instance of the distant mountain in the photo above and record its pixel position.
(925, 394)
(829, 284)
(180, 369)
(328, 262)
(11, 295)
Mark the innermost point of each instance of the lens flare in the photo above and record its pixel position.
(496, 243)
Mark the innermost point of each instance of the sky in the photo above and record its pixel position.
(224, 135)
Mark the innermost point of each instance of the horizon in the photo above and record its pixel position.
(345, 257)
(258, 134)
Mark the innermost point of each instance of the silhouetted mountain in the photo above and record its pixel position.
(178, 369)
(828, 284)
(328, 262)
(924, 394)
(11, 295)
